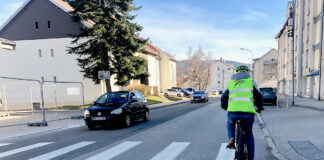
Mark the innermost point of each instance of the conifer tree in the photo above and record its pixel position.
(110, 42)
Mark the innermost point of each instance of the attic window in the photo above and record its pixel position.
(49, 24)
(36, 25)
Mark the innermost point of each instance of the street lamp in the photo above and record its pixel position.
(245, 49)
(291, 26)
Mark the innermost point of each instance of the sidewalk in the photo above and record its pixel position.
(297, 131)
(15, 125)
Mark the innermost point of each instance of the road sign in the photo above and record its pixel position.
(104, 75)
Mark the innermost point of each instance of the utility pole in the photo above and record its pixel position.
(291, 24)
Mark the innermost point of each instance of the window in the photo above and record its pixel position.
(49, 24)
(36, 26)
(52, 52)
(218, 68)
(228, 69)
(218, 82)
(40, 53)
(307, 32)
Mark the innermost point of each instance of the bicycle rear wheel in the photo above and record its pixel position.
(239, 144)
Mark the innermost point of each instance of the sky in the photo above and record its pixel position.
(220, 27)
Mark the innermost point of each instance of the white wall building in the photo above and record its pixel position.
(221, 75)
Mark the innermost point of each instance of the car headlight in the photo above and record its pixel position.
(117, 111)
(192, 98)
(203, 97)
(86, 114)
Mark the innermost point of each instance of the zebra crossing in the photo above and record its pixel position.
(170, 152)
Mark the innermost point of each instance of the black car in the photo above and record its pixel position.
(199, 96)
(269, 95)
(117, 108)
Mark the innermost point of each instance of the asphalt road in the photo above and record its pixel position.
(185, 131)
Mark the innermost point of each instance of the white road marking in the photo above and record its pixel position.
(115, 151)
(4, 144)
(225, 154)
(22, 149)
(172, 151)
(62, 151)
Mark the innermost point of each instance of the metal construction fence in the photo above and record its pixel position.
(18, 94)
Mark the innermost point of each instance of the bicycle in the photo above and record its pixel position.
(241, 152)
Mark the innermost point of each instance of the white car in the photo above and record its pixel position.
(173, 92)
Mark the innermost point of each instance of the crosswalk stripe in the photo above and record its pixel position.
(225, 154)
(62, 151)
(22, 149)
(115, 151)
(172, 151)
(4, 144)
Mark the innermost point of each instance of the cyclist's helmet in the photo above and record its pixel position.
(242, 69)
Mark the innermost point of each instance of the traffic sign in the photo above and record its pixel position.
(104, 74)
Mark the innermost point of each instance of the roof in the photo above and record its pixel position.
(228, 65)
(161, 51)
(271, 50)
(59, 3)
(148, 48)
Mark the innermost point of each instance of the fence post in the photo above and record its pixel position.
(6, 102)
(55, 87)
(31, 98)
(42, 96)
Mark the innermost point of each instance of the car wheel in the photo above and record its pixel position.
(274, 103)
(179, 95)
(146, 116)
(91, 127)
(165, 94)
(127, 121)
(191, 102)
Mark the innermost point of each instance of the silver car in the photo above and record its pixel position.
(173, 92)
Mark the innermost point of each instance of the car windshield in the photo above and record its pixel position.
(113, 98)
(199, 92)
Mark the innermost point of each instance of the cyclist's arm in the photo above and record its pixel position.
(258, 100)
(224, 100)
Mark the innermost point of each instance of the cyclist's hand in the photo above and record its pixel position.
(259, 110)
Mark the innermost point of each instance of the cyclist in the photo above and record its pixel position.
(238, 101)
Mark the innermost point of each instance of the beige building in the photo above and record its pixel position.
(6, 44)
(265, 69)
(307, 49)
(221, 75)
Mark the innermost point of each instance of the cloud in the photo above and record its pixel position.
(251, 15)
(174, 36)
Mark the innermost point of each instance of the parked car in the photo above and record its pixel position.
(215, 92)
(173, 92)
(186, 93)
(117, 108)
(199, 96)
(220, 92)
(269, 95)
(191, 89)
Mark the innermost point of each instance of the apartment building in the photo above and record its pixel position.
(265, 69)
(221, 75)
(304, 17)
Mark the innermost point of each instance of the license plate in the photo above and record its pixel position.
(98, 118)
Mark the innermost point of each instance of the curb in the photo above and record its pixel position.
(273, 149)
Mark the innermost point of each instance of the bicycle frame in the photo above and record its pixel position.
(241, 152)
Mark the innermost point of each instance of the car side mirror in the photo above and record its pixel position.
(94, 102)
(133, 100)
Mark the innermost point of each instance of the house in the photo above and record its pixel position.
(41, 30)
(265, 69)
(221, 75)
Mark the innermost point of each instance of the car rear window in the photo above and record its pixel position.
(266, 89)
(199, 92)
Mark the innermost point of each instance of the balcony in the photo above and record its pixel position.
(270, 63)
(270, 71)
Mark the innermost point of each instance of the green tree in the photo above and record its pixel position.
(110, 42)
